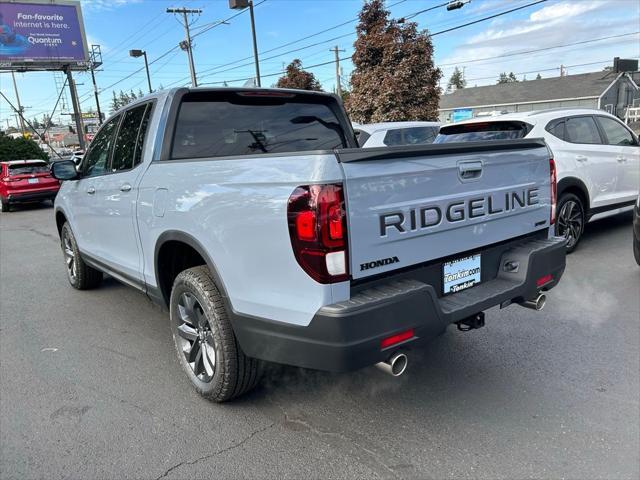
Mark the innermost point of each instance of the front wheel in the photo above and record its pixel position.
(570, 220)
(81, 276)
(4, 206)
(207, 348)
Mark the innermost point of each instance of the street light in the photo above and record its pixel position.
(142, 53)
(240, 5)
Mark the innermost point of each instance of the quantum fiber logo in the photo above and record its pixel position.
(379, 263)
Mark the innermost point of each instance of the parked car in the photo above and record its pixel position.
(253, 216)
(597, 157)
(389, 134)
(636, 231)
(26, 181)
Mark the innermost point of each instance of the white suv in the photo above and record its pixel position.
(597, 158)
(390, 134)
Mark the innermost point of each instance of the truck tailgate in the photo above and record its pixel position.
(408, 205)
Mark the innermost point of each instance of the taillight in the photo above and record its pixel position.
(553, 180)
(318, 231)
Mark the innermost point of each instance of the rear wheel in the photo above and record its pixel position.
(4, 206)
(570, 220)
(80, 275)
(207, 348)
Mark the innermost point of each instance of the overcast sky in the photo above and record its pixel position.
(224, 53)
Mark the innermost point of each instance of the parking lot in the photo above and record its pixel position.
(91, 388)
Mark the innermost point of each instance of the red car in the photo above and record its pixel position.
(23, 181)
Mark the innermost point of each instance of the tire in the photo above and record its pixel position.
(4, 206)
(207, 348)
(570, 220)
(636, 249)
(80, 275)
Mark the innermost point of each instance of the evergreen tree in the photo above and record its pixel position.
(296, 77)
(394, 78)
(507, 78)
(457, 81)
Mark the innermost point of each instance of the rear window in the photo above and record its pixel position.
(411, 136)
(22, 169)
(476, 132)
(226, 124)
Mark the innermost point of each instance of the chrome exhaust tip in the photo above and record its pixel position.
(536, 303)
(395, 365)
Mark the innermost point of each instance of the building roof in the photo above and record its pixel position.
(546, 89)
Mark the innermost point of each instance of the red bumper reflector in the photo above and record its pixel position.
(397, 338)
(544, 280)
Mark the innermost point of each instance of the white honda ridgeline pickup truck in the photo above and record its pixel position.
(270, 236)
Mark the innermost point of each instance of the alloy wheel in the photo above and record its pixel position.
(69, 258)
(196, 338)
(570, 222)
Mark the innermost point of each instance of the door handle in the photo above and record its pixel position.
(469, 170)
(581, 158)
(125, 188)
(91, 190)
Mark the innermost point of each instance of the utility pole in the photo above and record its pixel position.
(240, 5)
(76, 106)
(336, 51)
(20, 109)
(96, 61)
(186, 44)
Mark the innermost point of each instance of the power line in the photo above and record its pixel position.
(512, 54)
(543, 70)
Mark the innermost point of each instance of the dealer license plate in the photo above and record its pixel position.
(461, 273)
(32, 180)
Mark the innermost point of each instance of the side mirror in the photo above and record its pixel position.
(64, 170)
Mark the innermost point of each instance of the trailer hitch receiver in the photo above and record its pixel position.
(471, 323)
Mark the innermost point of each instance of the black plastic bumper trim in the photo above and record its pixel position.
(346, 335)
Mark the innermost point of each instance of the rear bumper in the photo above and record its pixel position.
(31, 196)
(347, 335)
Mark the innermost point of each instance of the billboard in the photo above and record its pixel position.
(460, 114)
(42, 34)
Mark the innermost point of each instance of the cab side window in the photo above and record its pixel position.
(130, 139)
(97, 160)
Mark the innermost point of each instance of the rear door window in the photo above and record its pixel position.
(129, 142)
(616, 133)
(214, 124)
(481, 131)
(581, 130)
(410, 136)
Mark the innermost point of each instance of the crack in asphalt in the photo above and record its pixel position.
(315, 430)
(219, 452)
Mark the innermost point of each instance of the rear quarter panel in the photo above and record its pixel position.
(237, 209)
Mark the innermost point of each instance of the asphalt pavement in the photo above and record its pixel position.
(90, 386)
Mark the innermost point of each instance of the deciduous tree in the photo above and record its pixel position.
(394, 78)
(296, 77)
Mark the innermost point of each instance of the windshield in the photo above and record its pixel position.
(476, 132)
(28, 169)
(224, 125)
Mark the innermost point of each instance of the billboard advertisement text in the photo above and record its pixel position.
(41, 34)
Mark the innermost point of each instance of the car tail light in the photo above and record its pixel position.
(397, 338)
(318, 231)
(554, 189)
